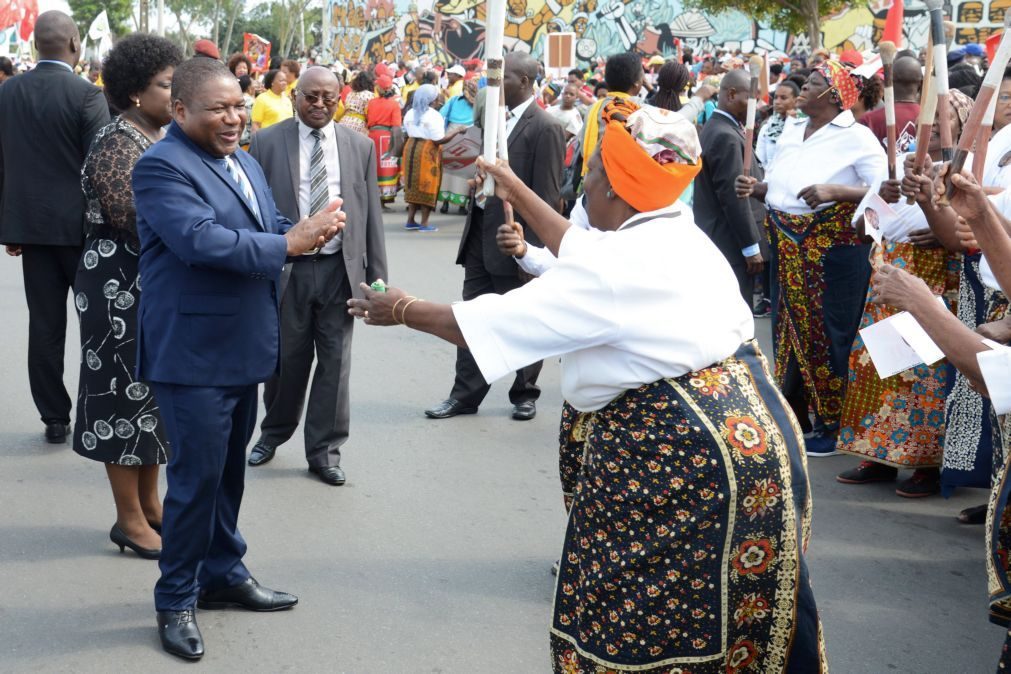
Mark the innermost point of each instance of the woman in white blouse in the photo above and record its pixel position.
(824, 165)
(686, 534)
(422, 159)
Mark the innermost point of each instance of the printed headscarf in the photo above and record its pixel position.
(845, 91)
(651, 159)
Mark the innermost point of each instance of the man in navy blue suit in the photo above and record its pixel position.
(212, 248)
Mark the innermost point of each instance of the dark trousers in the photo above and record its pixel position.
(314, 319)
(201, 548)
(469, 387)
(746, 282)
(49, 273)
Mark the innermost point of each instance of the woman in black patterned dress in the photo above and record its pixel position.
(117, 419)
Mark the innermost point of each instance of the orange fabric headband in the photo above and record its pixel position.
(636, 177)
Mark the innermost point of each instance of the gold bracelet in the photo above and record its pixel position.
(394, 312)
(397, 304)
(403, 314)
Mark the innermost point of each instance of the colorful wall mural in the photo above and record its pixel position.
(450, 30)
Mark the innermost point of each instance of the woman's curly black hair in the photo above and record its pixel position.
(133, 61)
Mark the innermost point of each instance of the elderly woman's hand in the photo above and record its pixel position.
(506, 182)
(890, 191)
(745, 186)
(918, 186)
(898, 288)
(968, 199)
(377, 307)
(510, 240)
(965, 234)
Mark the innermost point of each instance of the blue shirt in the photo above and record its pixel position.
(458, 110)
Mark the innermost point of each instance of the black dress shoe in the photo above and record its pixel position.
(56, 432)
(119, 537)
(449, 407)
(180, 635)
(525, 411)
(261, 454)
(330, 474)
(249, 595)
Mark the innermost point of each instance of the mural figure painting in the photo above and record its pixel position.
(453, 30)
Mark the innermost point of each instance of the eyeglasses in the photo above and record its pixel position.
(313, 99)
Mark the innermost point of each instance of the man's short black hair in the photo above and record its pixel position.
(6, 67)
(191, 75)
(577, 72)
(132, 63)
(622, 71)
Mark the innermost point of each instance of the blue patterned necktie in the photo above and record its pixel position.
(243, 182)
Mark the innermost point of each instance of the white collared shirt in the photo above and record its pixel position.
(840, 153)
(516, 113)
(333, 173)
(622, 308)
(995, 175)
(430, 126)
(538, 259)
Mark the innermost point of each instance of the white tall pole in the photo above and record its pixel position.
(493, 38)
(161, 18)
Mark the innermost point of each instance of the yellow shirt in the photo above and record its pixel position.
(591, 134)
(269, 108)
(454, 89)
(406, 91)
(291, 88)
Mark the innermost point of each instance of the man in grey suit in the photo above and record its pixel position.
(309, 160)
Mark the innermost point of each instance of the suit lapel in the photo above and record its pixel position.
(522, 122)
(293, 151)
(220, 171)
(345, 159)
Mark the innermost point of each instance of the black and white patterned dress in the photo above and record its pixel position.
(117, 417)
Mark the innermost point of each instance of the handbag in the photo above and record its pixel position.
(397, 140)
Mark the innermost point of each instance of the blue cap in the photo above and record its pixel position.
(974, 49)
(956, 55)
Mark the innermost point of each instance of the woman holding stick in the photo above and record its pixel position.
(686, 535)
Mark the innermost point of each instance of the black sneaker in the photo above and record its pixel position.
(924, 482)
(867, 472)
(763, 309)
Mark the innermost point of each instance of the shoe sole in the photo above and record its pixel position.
(260, 462)
(844, 480)
(57, 441)
(449, 416)
(818, 455)
(222, 605)
(184, 656)
(523, 417)
(906, 494)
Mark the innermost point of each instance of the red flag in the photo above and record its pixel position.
(31, 12)
(893, 24)
(991, 45)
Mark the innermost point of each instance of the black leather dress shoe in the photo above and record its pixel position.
(180, 635)
(261, 454)
(248, 595)
(56, 432)
(525, 411)
(330, 474)
(449, 407)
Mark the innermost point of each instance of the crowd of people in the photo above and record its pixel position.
(249, 207)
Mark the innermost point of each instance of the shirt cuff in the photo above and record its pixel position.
(751, 250)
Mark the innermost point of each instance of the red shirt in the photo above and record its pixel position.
(905, 124)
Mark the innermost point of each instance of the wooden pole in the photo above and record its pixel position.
(755, 66)
(887, 50)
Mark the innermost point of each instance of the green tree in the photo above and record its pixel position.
(120, 14)
(794, 16)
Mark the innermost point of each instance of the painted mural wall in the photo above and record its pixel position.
(449, 30)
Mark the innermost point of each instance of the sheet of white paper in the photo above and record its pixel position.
(898, 343)
(877, 215)
(995, 365)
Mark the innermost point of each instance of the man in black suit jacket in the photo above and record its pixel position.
(49, 119)
(536, 154)
(314, 313)
(727, 220)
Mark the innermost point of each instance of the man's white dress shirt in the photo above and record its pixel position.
(306, 142)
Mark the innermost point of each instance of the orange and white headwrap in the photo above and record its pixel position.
(844, 87)
(652, 158)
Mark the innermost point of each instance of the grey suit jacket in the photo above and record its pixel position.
(536, 156)
(364, 242)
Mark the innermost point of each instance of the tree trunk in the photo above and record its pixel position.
(217, 23)
(813, 23)
(233, 12)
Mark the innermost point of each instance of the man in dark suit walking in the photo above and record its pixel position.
(212, 248)
(309, 160)
(536, 144)
(49, 118)
(727, 220)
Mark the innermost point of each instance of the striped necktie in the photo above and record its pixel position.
(243, 182)
(319, 195)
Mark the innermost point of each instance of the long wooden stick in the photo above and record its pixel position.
(937, 32)
(887, 49)
(925, 122)
(755, 66)
(974, 125)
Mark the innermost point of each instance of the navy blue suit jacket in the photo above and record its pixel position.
(208, 268)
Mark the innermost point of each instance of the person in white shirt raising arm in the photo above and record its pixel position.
(824, 165)
(685, 539)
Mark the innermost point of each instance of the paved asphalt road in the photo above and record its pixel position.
(435, 556)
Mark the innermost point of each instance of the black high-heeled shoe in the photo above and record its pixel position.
(118, 537)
